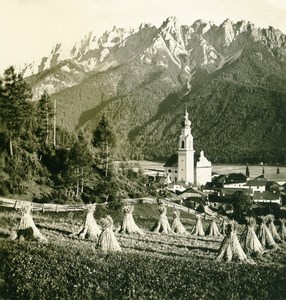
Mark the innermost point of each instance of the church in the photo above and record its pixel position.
(182, 166)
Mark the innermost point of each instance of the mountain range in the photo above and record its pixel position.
(231, 77)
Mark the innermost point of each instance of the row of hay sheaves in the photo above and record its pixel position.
(253, 241)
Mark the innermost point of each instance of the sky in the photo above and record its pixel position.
(30, 28)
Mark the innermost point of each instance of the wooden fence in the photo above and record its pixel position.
(50, 207)
(44, 207)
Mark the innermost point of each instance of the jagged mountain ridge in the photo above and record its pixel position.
(237, 115)
(140, 78)
(203, 43)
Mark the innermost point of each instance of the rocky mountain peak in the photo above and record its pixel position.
(89, 42)
(226, 23)
(170, 22)
(170, 30)
(201, 26)
(228, 32)
(203, 42)
(145, 26)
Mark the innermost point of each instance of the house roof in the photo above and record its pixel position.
(213, 185)
(230, 191)
(272, 184)
(260, 178)
(220, 199)
(266, 196)
(192, 193)
(219, 178)
(161, 179)
(180, 183)
(235, 178)
(172, 161)
(255, 182)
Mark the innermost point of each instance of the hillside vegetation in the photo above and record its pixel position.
(231, 77)
(237, 115)
(42, 162)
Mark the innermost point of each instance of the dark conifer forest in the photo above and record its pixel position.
(45, 163)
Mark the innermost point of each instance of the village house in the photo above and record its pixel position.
(258, 184)
(267, 197)
(177, 187)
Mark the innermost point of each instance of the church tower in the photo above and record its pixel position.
(186, 153)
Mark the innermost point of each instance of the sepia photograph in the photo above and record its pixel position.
(143, 149)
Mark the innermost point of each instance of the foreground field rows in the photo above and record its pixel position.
(153, 243)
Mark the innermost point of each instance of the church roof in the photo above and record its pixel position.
(172, 161)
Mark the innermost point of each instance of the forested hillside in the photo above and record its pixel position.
(231, 77)
(41, 161)
(237, 113)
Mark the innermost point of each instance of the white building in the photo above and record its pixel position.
(181, 166)
(267, 197)
(204, 170)
(258, 184)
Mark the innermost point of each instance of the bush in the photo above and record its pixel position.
(115, 204)
(4, 191)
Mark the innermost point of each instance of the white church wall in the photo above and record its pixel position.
(203, 170)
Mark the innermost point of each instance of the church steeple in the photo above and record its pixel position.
(186, 138)
(186, 152)
(186, 119)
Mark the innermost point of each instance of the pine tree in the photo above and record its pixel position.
(79, 161)
(16, 107)
(103, 140)
(45, 117)
(247, 174)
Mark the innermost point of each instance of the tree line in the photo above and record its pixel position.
(44, 160)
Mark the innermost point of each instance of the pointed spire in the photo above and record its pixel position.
(187, 121)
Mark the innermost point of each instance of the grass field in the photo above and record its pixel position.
(153, 266)
(255, 170)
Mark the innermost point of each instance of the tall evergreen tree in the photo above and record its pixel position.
(103, 140)
(247, 174)
(45, 117)
(80, 160)
(16, 106)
